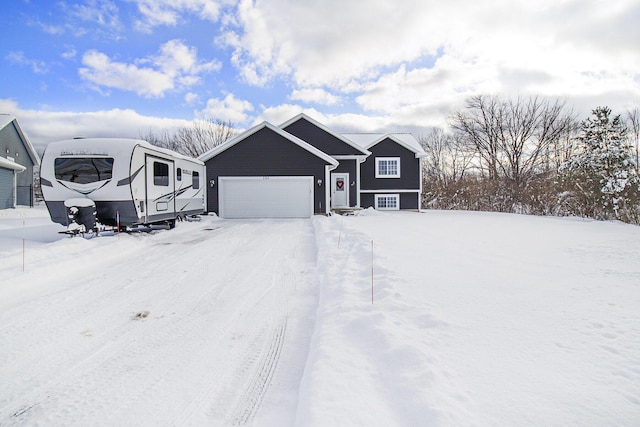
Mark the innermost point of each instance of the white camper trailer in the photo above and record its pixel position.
(130, 182)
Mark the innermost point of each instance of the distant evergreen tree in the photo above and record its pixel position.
(603, 173)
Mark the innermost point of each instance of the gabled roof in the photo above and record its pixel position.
(368, 140)
(233, 141)
(340, 137)
(5, 120)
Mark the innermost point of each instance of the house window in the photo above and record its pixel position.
(387, 167)
(196, 180)
(387, 202)
(161, 174)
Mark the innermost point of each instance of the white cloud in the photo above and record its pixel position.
(192, 98)
(97, 18)
(228, 109)
(52, 29)
(177, 59)
(43, 126)
(405, 59)
(317, 96)
(175, 66)
(280, 113)
(102, 71)
(170, 12)
(18, 57)
(69, 53)
(102, 13)
(344, 122)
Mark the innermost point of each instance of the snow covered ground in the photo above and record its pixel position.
(477, 319)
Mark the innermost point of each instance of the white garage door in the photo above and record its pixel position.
(266, 197)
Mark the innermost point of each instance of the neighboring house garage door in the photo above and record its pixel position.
(266, 197)
(6, 188)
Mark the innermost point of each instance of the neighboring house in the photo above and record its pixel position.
(18, 159)
(391, 177)
(303, 168)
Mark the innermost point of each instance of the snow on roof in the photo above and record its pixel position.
(8, 164)
(368, 140)
(5, 119)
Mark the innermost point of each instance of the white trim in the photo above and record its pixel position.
(354, 157)
(342, 138)
(421, 185)
(15, 188)
(386, 195)
(8, 164)
(233, 141)
(327, 189)
(387, 159)
(346, 190)
(222, 179)
(368, 140)
(382, 190)
(358, 179)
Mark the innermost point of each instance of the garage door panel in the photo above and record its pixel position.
(266, 197)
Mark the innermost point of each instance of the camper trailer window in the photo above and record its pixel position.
(179, 174)
(83, 170)
(196, 180)
(161, 174)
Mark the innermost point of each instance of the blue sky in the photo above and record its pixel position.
(122, 68)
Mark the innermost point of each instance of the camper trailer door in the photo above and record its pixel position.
(160, 189)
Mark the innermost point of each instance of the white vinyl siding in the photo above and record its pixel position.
(387, 167)
(389, 202)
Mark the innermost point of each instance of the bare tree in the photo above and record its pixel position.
(481, 123)
(513, 137)
(448, 158)
(161, 139)
(194, 140)
(563, 149)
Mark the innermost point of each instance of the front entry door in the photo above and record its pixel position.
(339, 190)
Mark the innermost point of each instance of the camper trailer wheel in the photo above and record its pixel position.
(172, 224)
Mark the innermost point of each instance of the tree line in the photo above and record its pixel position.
(198, 138)
(534, 156)
(524, 155)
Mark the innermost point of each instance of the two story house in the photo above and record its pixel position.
(302, 167)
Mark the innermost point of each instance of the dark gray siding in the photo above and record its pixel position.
(12, 146)
(319, 138)
(407, 200)
(409, 168)
(349, 166)
(265, 153)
